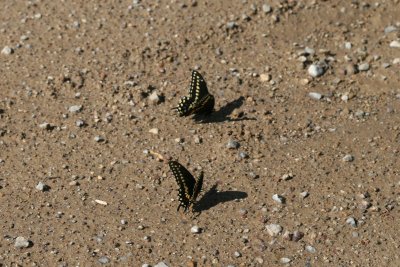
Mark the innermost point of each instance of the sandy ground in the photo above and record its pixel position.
(86, 131)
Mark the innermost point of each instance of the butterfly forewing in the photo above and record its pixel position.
(199, 99)
(186, 184)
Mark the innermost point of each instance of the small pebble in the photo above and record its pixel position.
(297, 235)
(315, 70)
(390, 29)
(266, 8)
(265, 77)
(348, 158)
(278, 198)
(155, 98)
(314, 95)
(347, 45)
(243, 155)
(351, 221)
(104, 260)
(304, 194)
(285, 260)
(7, 50)
(233, 144)
(154, 131)
(101, 202)
(161, 264)
(237, 254)
(363, 67)
(395, 44)
(231, 25)
(42, 187)
(197, 139)
(351, 69)
(80, 123)
(274, 229)
(45, 126)
(99, 138)
(385, 65)
(310, 249)
(195, 229)
(123, 222)
(75, 108)
(146, 265)
(21, 242)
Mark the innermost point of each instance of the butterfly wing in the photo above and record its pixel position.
(186, 183)
(199, 99)
(197, 188)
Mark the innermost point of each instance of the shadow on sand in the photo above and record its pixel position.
(212, 198)
(223, 114)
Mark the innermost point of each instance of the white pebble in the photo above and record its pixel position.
(363, 67)
(348, 158)
(304, 194)
(347, 45)
(274, 229)
(351, 221)
(153, 131)
(311, 249)
(41, 186)
(21, 242)
(101, 202)
(285, 260)
(314, 95)
(195, 229)
(315, 70)
(394, 44)
(266, 8)
(278, 198)
(75, 108)
(161, 264)
(7, 50)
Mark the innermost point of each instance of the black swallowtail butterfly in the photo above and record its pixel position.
(199, 100)
(189, 188)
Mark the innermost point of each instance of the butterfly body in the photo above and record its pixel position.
(199, 100)
(189, 188)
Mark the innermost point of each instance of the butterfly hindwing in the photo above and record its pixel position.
(189, 188)
(199, 100)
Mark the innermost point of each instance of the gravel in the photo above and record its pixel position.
(161, 264)
(310, 249)
(104, 260)
(99, 138)
(314, 95)
(233, 144)
(273, 229)
(278, 198)
(195, 229)
(348, 158)
(7, 50)
(395, 44)
(315, 70)
(351, 221)
(75, 108)
(42, 187)
(363, 67)
(266, 8)
(21, 242)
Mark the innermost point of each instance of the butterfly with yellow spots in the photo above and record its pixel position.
(199, 100)
(189, 188)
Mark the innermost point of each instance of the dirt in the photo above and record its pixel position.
(109, 196)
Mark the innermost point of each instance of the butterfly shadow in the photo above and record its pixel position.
(223, 114)
(212, 198)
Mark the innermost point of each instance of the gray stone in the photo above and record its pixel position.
(75, 108)
(232, 144)
(195, 229)
(351, 221)
(104, 260)
(278, 198)
(348, 158)
(266, 8)
(363, 67)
